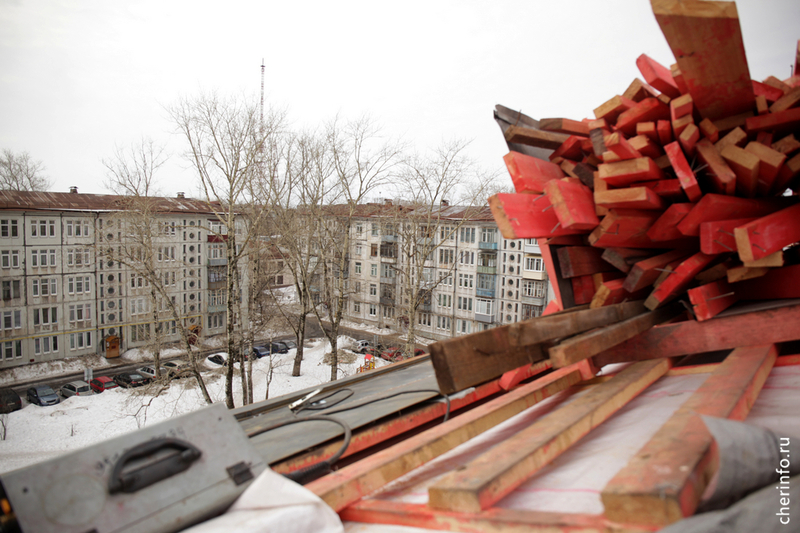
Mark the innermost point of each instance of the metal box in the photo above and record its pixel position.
(159, 479)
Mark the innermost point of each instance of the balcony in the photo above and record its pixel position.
(532, 249)
(487, 270)
(217, 262)
(487, 245)
(220, 308)
(486, 319)
(388, 238)
(534, 274)
(424, 308)
(484, 293)
(386, 300)
(530, 300)
(388, 259)
(389, 280)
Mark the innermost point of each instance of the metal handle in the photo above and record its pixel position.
(154, 471)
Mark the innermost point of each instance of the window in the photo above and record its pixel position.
(486, 281)
(373, 289)
(43, 258)
(12, 349)
(215, 251)
(443, 322)
(464, 304)
(45, 316)
(356, 307)
(463, 326)
(373, 269)
(9, 228)
(167, 253)
(358, 286)
(424, 319)
(358, 250)
(534, 264)
(45, 287)
(387, 271)
(359, 228)
(388, 312)
(483, 307)
(80, 313)
(467, 258)
(445, 300)
(138, 281)
(12, 320)
(531, 311)
(466, 281)
(10, 259)
(532, 241)
(373, 310)
(79, 285)
(11, 289)
(77, 228)
(445, 278)
(357, 267)
(488, 235)
(78, 257)
(139, 332)
(81, 340)
(216, 320)
(467, 234)
(43, 345)
(447, 233)
(446, 255)
(373, 250)
(374, 229)
(534, 288)
(168, 228)
(43, 228)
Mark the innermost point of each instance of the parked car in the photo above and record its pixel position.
(218, 358)
(9, 401)
(392, 354)
(278, 347)
(178, 369)
(76, 388)
(150, 372)
(102, 383)
(261, 351)
(130, 379)
(362, 346)
(290, 345)
(42, 395)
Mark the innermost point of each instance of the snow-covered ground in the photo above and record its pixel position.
(37, 433)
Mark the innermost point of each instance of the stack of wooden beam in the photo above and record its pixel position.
(679, 188)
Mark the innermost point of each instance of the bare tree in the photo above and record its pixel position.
(131, 174)
(20, 172)
(226, 140)
(427, 223)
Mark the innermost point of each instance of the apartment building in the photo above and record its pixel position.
(65, 296)
(473, 278)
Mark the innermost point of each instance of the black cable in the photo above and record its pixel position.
(322, 403)
(362, 404)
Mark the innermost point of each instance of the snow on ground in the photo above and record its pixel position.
(36, 433)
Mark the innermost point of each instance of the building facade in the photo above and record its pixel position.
(474, 279)
(64, 295)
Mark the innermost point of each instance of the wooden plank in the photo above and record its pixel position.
(770, 93)
(462, 362)
(787, 176)
(624, 173)
(772, 81)
(611, 109)
(573, 205)
(526, 216)
(594, 342)
(677, 75)
(627, 228)
(565, 125)
(711, 299)
(495, 520)
(649, 130)
(680, 124)
(657, 75)
(787, 101)
(719, 207)
(664, 129)
(561, 285)
(630, 198)
(572, 148)
(688, 139)
(544, 329)
(583, 289)
(681, 106)
(770, 163)
(645, 272)
(684, 172)
(356, 480)
(768, 234)
(611, 292)
(648, 110)
(787, 145)
(669, 189)
(782, 122)
(623, 258)
(723, 333)
(709, 130)
(762, 107)
(745, 165)
(663, 483)
(534, 137)
(530, 174)
(716, 237)
(646, 146)
(706, 40)
(677, 281)
(741, 273)
(778, 284)
(493, 475)
(581, 261)
(735, 137)
(665, 228)
(721, 176)
(773, 260)
(618, 144)
(639, 90)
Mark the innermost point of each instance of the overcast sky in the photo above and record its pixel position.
(78, 78)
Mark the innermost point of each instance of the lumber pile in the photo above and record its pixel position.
(682, 187)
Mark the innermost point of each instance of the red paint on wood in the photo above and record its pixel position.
(768, 234)
(668, 189)
(684, 172)
(721, 176)
(716, 237)
(711, 299)
(664, 129)
(771, 94)
(666, 227)
(771, 162)
(677, 282)
(783, 122)
(648, 110)
(645, 272)
(569, 149)
(778, 284)
(526, 216)
(623, 173)
(658, 76)
(720, 207)
(573, 204)
(530, 174)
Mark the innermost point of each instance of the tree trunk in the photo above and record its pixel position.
(301, 335)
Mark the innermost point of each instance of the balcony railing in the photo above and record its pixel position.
(386, 300)
(532, 249)
(389, 280)
(217, 262)
(219, 308)
(485, 293)
(389, 238)
(533, 301)
(487, 245)
(486, 319)
(487, 270)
